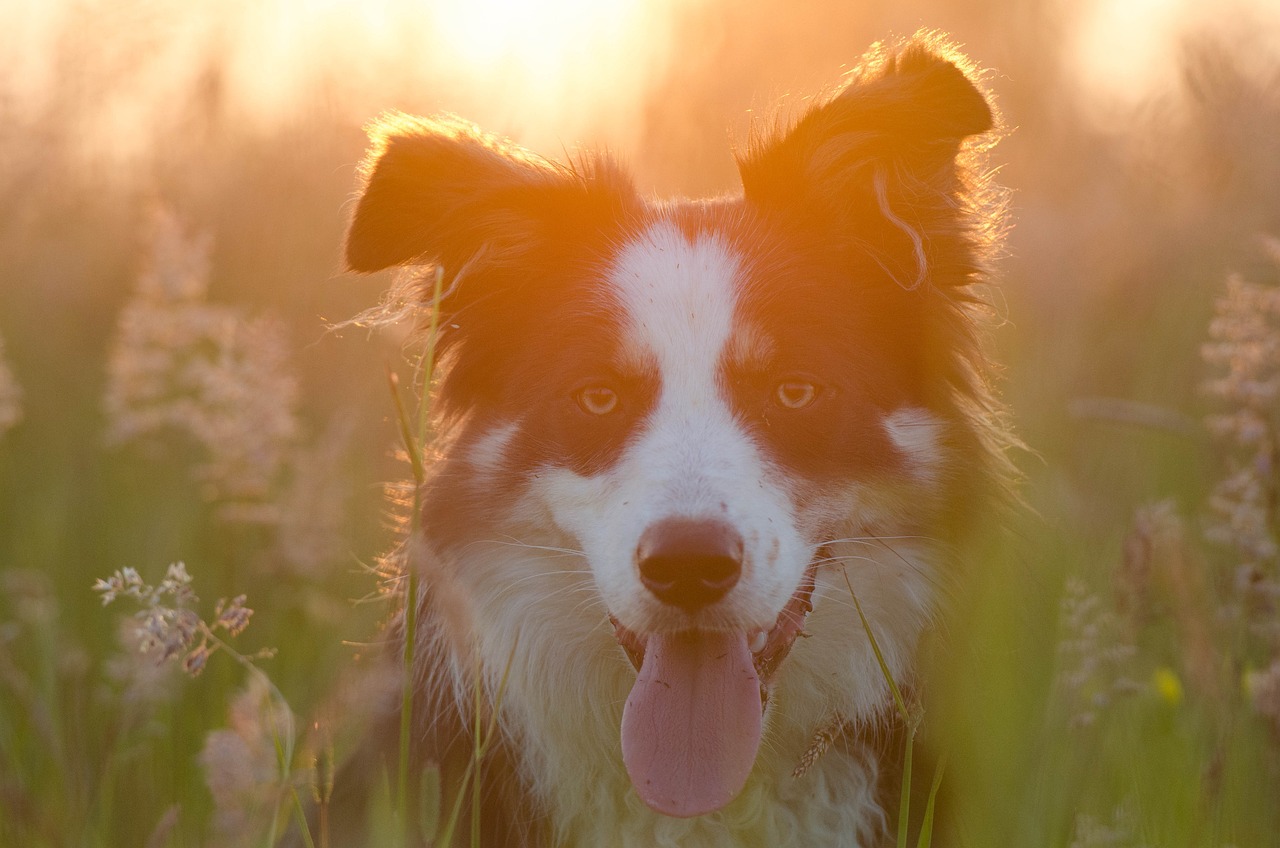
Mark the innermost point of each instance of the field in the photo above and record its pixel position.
(179, 383)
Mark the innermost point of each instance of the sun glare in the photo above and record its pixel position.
(557, 74)
(552, 67)
(1123, 51)
(552, 71)
(541, 40)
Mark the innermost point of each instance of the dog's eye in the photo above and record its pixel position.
(795, 394)
(597, 400)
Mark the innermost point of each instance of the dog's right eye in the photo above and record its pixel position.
(795, 394)
(597, 400)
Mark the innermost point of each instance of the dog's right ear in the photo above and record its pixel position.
(441, 191)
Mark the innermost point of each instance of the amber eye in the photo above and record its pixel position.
(597, 400)
(795, 394)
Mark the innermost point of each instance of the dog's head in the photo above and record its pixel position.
(717, 403)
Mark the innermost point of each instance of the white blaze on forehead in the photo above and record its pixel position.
(690, 457)
(678, 295)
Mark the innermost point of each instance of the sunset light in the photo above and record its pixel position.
(543, 42)
(556, 73)
(1123, 52)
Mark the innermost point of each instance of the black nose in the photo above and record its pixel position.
(690, 563)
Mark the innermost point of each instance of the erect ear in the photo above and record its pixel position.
(907, 109)
(439, 190)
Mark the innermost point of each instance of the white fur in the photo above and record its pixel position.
(918, 435)
(487, 454)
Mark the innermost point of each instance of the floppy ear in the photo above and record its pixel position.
(441, 191)
(903, 112)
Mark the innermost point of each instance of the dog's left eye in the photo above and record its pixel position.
(597, 400)
(795, 394)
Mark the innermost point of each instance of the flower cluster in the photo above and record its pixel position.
(10, 396)
(1244, 352)
(167, 626)
(180, 364)
(1093, 657)
(1264, 692)
(245, 764)
(1093, 832)
(312, 509)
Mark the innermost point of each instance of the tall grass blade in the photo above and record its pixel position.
(429, 803)
(875, 646)
(479, 749)
(909, 717)
(926, 826)
(415, 444)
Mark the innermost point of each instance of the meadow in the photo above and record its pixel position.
(191, 430)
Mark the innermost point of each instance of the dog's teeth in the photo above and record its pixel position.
(758, 641)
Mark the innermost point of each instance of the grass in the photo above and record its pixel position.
(1110, 674)
(911, 717)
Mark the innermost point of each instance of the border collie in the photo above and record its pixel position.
(673, 438)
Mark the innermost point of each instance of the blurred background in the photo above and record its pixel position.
(174, 182)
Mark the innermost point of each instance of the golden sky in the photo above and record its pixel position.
(554, 73)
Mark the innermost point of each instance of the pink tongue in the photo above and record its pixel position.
(691, 725)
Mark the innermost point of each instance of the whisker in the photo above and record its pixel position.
(846, 558)
(935, 578)
(581, 580)
(872, 539)
(883, 542)
(516, 543)
(589, 601)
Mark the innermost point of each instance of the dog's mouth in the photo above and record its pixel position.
(692, 724)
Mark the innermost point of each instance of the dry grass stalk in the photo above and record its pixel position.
(824, 737)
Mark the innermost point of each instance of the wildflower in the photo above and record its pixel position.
(195, 661)
(1263, 689)
(313, 506)
(182, 365)
(1093, 656)
(172, 630)
(10, 396)
(138, 670)
(232, 617)
(166, 624)
(1161, 563)
(243, 767)
(30, 594)
(1244, 351)
(177, 582)
(1167, 685)
(1091, 832)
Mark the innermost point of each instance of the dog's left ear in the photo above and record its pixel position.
(904, 113)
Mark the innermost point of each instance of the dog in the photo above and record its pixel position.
(675, 441)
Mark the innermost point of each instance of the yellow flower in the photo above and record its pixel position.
(1167, 685)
